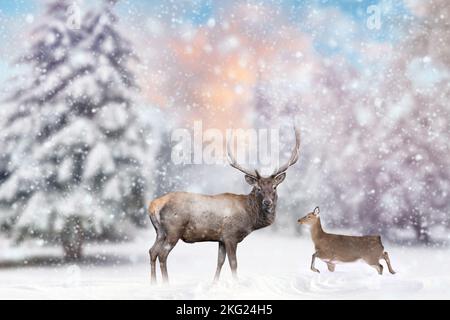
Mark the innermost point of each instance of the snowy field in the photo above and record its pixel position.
(270, 267)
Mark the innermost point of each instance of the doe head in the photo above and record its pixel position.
(311, 218)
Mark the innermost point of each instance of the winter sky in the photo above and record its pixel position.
(337, 24)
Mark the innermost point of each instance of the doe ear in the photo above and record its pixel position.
(279, 179)
(250, 180)
(316, 211)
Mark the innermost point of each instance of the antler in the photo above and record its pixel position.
(234, 164)
(294, 155)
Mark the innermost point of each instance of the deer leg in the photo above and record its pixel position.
(166, 247)
(220, 260)
(153, 252)
(378, 267)
(313, 268)
(374, 262)
(331, 266)
(231, 253)
(388, 262)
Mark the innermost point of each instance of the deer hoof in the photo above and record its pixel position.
(315, 270)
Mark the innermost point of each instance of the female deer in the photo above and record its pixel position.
(332, 248)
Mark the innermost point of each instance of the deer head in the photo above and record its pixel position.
(311, 218)
(265, 188)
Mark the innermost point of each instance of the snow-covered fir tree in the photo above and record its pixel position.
(72, 142)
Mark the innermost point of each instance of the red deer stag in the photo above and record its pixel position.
(224, 218)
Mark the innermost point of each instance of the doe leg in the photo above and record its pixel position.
(378, 267)
(331, 266)
(313, 268)
(220, 260)
(375, 263)
(388, 262)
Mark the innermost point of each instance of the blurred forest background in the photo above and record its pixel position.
(91, 92)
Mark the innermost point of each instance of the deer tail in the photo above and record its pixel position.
(154, 209)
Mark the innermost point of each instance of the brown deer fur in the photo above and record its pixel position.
(332, 248)
(225, 218)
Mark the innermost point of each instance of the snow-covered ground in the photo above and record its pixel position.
(270, 267)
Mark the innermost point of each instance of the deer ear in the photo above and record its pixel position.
(250, 180)
(316, 211)
(279, 179)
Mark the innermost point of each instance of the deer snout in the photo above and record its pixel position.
(267, 203)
